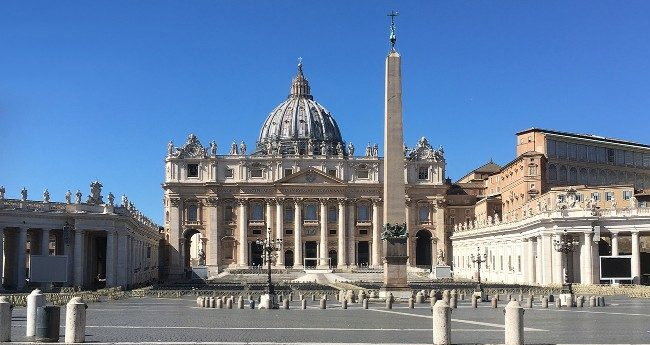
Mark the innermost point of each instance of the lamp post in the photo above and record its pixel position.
(566, 245)
(478, 259)
(269, 246)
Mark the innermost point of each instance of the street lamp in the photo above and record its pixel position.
(269, 246)
(566, 245)
(478, 259)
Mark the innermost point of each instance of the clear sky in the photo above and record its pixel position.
(95, 89)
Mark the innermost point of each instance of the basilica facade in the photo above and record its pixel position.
(307, 185)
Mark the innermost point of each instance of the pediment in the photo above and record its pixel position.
(310, 176)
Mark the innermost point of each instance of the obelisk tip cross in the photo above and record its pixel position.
(393, 37)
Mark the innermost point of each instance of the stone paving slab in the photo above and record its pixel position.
(159, 320)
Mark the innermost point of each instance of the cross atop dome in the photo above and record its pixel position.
(300, 85)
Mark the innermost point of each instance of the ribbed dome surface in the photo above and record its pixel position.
(299, 122)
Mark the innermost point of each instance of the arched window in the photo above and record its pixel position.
(227, 214)
(192, 213)
(563, 174)
(593, 177)
(584, 176)
(573, 175)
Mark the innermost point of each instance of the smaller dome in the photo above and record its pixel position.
(300, 125)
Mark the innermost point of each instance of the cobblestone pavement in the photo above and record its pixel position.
(624, 320)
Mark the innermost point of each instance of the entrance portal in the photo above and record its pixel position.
(256, 254)
(423, 249)
(311, 254)
(333, 258)
(363, 253)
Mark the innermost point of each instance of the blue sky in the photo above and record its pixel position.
(95, 89)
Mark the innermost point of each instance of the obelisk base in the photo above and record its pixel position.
(395, 274)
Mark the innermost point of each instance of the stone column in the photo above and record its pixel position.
(557, 262)
(213, 254)
(324, 253)
(22, 256)
(352, 229)
(110, 258)
(279, 230)
(2, 254)
(376, 241)
(45, 241)
(539, 263)
(297, 234)
(79, 256)
(546, 261)
(614, 237)
(586, 276)
(122, 257)
(409, 245)
(341, 234)
(529, 260)
(176, 266)
(242, 224)
(636, 259)
(269, 216)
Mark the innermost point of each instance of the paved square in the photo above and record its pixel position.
(624, 320)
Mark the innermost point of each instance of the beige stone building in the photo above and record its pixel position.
(101, 243)
(318, 194)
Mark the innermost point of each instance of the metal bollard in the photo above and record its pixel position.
(474, 302)
(48, 321)
(558, 303)
(509, 297)
(462, 296)
(280, 297)
(602, 301)
(323, 303)
(303, 303)
(494, 302)
(5, 319)
(514, 323)
(411, 303)
(344, 304)
(441, 323)
(290, 296)
(544, 302)
(529, 302)
(285, 303)
(551, 298)
(365, 303)
(75, 321)
(389, 303)
(34, 300)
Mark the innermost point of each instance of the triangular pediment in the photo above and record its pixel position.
(310, 176)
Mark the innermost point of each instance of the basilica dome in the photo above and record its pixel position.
(300, 125)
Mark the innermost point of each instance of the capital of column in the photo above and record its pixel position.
(269, 201)
(635, 233)
(212, 201)
(175, 202)
(323, 201)
(341, 201)
(613, 234)
(242, 201)
(297, 201)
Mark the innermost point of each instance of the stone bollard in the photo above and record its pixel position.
(441, 323)
(474, 302)
(323, 303)
(521, 297)
(5, 319)
(199, 301)
(285, 303)
(433, 301)
(602, 301)
(494, 302)
(453, 301)
(419, 298)
(411, 303)
(229, 303)
(580, 301)
(313, 297)
(362, 295)
(75, 321)
(389, 303)
(365, 303)
(301, 296)
(34, 300)
(344, 304)
(446, 295)
(551, 298)
(290, 296)
(303, 303)
(529, 302)
(281, 297)
(558, 303)
(240, 303)
(509, 297)
(219, 303)
(544, 302)
(350, 296)
(497, 297)
(514, 323)
(341, 295)
(209, 303)
(462, 296)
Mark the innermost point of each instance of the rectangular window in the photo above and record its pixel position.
(519, 263)
(602, 154)
(532, 170)
(561, 149)
(579, 197)
(611, 156)
(362, 173)
(227, 215)
(609, 196)
(550, 148)
(192, 170)
(627, 194)
(423, 173)
(288, 172)
(332, 231)
(646, 161)
(363, 231)
(148, 252)
(595, 196)
(311, 212)
(423, 213)
(331, 172)
(230, 173)
(332, 214)
(638, 159)
(363, 213)
(629, 158)
(288, 213)
(256, 173)
(571, 151)
(257, 231)
(620, 157)
(288, 231)
(581, 152)
(591, 154)
(257, 212)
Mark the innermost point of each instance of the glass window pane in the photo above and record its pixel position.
(561, 149)
(311, 212)
(602, 155)
(582, 153)
(550, 148)
(571, 151)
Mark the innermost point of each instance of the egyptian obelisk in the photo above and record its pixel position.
(394, 247)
